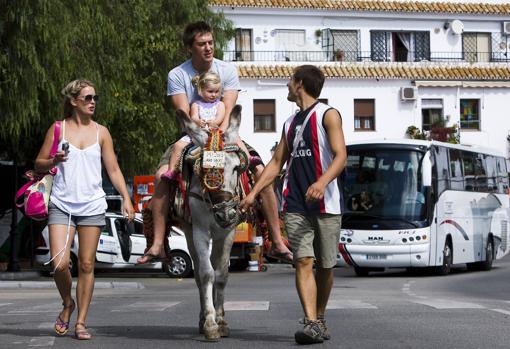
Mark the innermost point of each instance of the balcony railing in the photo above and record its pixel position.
(364, 56)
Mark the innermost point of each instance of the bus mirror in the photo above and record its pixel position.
(426, 171)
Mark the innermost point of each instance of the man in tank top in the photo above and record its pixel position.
(312, 144)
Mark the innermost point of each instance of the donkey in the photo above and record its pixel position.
(214, 196)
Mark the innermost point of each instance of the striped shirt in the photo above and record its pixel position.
(311, 159)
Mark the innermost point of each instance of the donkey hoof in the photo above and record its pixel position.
(224, 331)
(212, 334)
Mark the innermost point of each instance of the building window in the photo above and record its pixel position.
(470, 114)
(431, 112)
(399, 46)
(364, 114)
(289, 44)
(345, 45)
(476, 47)
(264, 119)
(243, 45)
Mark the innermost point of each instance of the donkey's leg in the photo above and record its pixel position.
(202, 242)
(220, 256)
(196, 264)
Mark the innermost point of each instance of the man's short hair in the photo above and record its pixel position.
(192, 29)
(311, 77)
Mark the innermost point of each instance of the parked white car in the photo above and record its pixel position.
(120, 245)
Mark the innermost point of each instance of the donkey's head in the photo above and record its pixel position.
(221, 164)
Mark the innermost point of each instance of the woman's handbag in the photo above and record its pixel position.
(36, 193)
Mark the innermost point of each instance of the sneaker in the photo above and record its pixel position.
(324, 329)
(310, 334)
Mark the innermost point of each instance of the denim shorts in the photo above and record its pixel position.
(57, 216)
(314, 236)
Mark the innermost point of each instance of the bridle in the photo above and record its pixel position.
(209, 167)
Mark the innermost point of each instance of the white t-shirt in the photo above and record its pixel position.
(180, 79)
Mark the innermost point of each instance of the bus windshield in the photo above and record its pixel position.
(382, 188)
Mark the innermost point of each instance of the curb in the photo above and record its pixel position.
(51, 285)
(19, 275)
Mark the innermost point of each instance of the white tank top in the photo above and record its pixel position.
(78, 185)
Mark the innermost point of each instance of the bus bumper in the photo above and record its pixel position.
(395, 256)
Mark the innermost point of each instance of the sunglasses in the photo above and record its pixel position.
(89, 98)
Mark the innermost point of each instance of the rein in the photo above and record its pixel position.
(210, 168)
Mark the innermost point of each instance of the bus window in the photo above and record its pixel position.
(456, 176)
(502, 175)
(440, 170)
(469, 171)
(480, 173)
(492, 175)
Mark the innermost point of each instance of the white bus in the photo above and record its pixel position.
(411, 204)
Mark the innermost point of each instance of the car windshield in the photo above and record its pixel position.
(382, 188)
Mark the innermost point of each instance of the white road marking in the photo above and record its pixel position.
(46, 325)
(448, 304)
(146, 306)
(3, 304)
(44, 308)
(46, 341)
(231, 306)
(349, 304)
(502, 311)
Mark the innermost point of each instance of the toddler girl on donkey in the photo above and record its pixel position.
(208, 112)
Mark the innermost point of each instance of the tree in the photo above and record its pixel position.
(125, 47)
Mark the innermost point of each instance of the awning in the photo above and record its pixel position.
(475, 84)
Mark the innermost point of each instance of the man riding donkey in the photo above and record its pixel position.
(199, 42)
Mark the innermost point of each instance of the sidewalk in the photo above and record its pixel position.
(26, 272)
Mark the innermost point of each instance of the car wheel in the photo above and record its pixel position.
(73, 265)
(179, 266)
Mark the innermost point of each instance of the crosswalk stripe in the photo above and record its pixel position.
(448, 304)
(146, 306)
(349, 304)
(502, 311)
(46, 341)
(231, 306)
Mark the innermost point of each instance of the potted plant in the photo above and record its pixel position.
(439, 131)
(318, 35)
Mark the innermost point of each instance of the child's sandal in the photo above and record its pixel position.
(81, 333)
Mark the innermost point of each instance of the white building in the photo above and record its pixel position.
(389, 65)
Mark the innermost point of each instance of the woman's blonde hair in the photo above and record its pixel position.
(207, 79)
(72, 90)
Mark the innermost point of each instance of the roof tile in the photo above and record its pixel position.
(385, 71)
(373, 5)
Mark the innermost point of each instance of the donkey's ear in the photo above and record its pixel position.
(198, 134)
(233, 129)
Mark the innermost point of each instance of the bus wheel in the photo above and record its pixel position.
(446, 267)
(361, 271)
(489, 256)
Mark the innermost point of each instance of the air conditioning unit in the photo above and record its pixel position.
(408, 93)
(506, 28)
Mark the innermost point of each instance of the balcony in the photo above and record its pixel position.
(365, 56)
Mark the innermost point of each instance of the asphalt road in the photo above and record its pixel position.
(393, 309)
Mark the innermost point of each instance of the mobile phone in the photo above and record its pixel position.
(65, 147)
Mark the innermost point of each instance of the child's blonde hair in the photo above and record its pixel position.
(207, 79)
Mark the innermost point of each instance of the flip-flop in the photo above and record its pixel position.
(61, 327)
(81, 333)
(153, 258)
(286, 257)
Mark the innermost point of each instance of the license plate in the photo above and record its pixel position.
(213, 159)
(376, 256)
